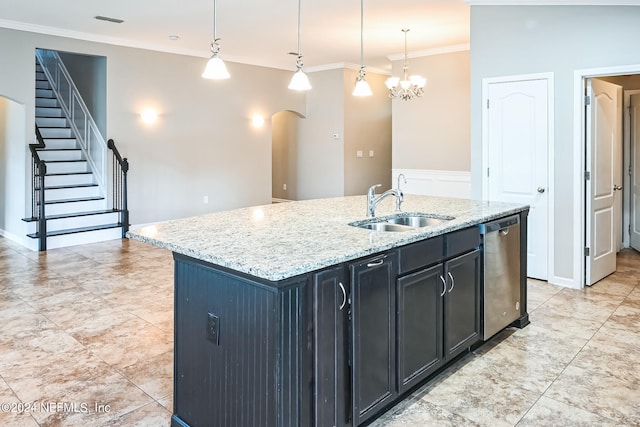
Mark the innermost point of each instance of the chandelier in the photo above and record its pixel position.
(409, 86)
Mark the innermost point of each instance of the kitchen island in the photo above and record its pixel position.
(287, 315)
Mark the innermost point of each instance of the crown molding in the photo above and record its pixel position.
(343, 65)
(553, 2)
(430, 52)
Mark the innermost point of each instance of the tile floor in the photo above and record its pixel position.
(87, 332)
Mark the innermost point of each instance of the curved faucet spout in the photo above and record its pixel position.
(373, 201)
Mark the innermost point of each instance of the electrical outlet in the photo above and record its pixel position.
(359, 153)
(284, 187)
(372, 153)
(205, 199)
(213, 328)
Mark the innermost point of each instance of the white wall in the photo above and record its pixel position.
(203, 143)
(511, 40)
(13, 171)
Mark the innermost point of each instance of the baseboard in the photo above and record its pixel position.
(276, 200)
(28, 243)
(456, 184)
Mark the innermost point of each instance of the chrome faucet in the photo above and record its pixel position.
(372, 200)
(404, 178)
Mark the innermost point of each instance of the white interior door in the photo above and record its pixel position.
(517, 158)
(634, 115)
(604, 164)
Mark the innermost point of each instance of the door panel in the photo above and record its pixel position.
(604, 161)
(634, 238)
(373, 336)
(518, 141)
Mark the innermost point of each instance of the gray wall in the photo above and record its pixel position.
(203, 143)
(89, 74)
(367, 126)
(321, 158)
(511, 40)
(285, 155)
(433, 132)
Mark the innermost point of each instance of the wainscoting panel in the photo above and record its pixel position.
(455, 184)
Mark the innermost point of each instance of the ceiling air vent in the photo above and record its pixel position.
(106, 18)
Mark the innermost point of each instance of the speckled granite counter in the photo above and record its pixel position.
(279, 241)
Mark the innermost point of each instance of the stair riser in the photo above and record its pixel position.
(48, 112)
(44, 93)
(67, 167)
(71, 193)
(84, 238)
(51, 122)
(42, 84)
(60, 144)
(46, 102)
(77, 222)
(40, 75)
(59, 154)
(52, 181)
(56, 133)
(65, 208)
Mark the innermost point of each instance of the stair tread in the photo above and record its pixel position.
(76, 230)
(57, 149)
(73, 200)
(74, 215)
(60, 187)
(64, 161)
(69, 173)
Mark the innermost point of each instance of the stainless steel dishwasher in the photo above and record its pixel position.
(501, 284)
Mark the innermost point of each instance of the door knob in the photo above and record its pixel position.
(541, 190)
(617, 187)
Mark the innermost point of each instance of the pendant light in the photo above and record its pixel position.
(410, 86)
(215, 68)
(299, 81)
(362, 87)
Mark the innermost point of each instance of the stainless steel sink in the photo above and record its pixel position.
(417, 221)
(384, 226)
(401, 222)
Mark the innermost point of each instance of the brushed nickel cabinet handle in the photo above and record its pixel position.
(444, 286)
(344, 295)
(453, 282)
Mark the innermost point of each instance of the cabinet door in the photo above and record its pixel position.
(462, 303)
(373, 363)
(420, 325)
(331, 370)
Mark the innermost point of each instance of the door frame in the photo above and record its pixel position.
(579, 152)
(626, 164)
(549, 77)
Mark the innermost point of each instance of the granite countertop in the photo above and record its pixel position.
(283, 240)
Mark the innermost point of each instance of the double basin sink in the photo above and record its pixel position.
(401, 222)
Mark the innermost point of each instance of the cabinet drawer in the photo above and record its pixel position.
(461, 241)
(420, 254)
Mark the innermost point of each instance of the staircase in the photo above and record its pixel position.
(75, 208)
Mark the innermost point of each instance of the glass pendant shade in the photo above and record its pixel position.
(299, 81)
(362, 88)
(215, 69)
(392, 82)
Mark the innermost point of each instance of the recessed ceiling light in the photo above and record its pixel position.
(173, 37)
(106, 18)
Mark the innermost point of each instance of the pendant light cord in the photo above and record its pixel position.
(215, 37)
(299, 44)
(361, 33)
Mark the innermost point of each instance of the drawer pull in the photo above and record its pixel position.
(376, 263)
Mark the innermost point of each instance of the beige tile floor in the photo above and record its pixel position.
(87, 333)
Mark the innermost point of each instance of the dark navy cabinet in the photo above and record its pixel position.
(333, 347)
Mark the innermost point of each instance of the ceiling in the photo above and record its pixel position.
(255, 32)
